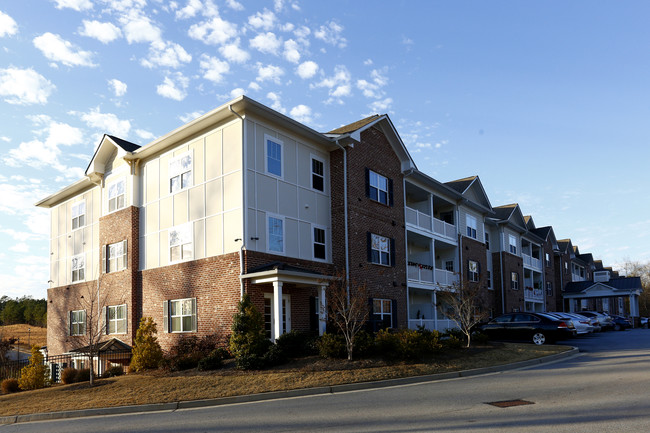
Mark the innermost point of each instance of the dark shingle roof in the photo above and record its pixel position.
(542, 232)
(461, 185)
(126, 145)
(504, 212)
(355, 125)
(624, 283)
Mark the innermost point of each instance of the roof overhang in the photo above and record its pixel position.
(79, 186)
(285, 276)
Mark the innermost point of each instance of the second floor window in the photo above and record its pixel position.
(115, 257)
(513, 244)
(473, 271)
(471, 226)
(514, 281)
(489, 280)
(380, 250)
(275, 233)
(116, 319)
(116, 196)
(274, 157)
(487, 241)
(78, 322)
(78, 215)
(549, 288)
(180, 172)
(78, 268)
(378, 187)
(181, 243)
(319, 244)
(548, 260)
(317, 174)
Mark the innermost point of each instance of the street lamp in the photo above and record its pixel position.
(29, 338)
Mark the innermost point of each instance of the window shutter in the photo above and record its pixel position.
(69, 323)
(194, 327)
(104, 254)
(394, 307)
(126, 319)
(371, 316)
(478, 268)
(367, 182)
(368, 245)
(313, 314)
(126, 254)
(166, 316)
(390, 192)
(85, 324)
(392, 252)
(105, 318)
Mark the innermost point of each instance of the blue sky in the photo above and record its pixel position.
(546, 101)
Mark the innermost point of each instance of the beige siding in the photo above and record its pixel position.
(213, 155)
(214, 197)
(199, 239)
(233, 229)
(232, 155)
(214, 235)
(180, 208)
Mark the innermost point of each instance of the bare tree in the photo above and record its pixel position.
(347, 306)
(463, 301)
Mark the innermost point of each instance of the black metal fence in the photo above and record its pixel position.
(57, 363)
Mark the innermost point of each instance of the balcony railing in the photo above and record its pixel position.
(427, 222)
(532, 293)
(431, 325)
(445, 278)
(532, 262)
(420, 272)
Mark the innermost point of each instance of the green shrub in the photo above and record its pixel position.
(248, 342)
(189, 351)
(406, 344)
(452, 342)
(296, 344)
(83, 375)
(479, 338)
(9, 386)
(68, 375)
(35, 375)
(114, 370)
(147, 353)
(364, 344)
(214, 360)
(332, 346)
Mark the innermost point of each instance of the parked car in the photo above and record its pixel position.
(621, 323)
(534, 327)
(604, 320)
(581, 323)
(644, 322)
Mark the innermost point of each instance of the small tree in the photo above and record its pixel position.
(147, 353)
(36, 374)
(347, 306)
(463, 302)
(248, 344)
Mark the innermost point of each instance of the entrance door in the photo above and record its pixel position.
(269, 320)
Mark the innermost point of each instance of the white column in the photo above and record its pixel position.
(322, 310)
(277, 309)
(634, 306)
(572, 305)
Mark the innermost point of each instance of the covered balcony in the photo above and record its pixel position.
(531, 254)
(426, 312)
(533, 286)
(430, 213)
(420, 259)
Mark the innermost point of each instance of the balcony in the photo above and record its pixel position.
(428, 223)
(533, 294)
(429, 275)
(532, 262)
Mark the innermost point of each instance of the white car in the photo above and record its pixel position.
(581, 324)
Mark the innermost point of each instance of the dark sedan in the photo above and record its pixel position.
(535, 327)
(621, 323)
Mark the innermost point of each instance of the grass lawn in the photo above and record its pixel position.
(162, 387)
(26, 333)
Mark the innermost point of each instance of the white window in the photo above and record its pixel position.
(78, 268)
(275, 231)
(78, 215)
(378, 187)
(514, 281)
(513, 244)
(180, 172)
(487, 241)
(116, 196)
(181, 245)
(269, 320)
(382, 310)
(78, 322)
(548, 260)
(473, 271)
(180, 315)
(115, 257)
(320, 251)
(273, 156)
(379, 249)
(549, 288)
(317, 174)
(471, 226)
(116, 319)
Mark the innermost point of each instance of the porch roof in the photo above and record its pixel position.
(613, 287)
(285, 273)
(113, 345)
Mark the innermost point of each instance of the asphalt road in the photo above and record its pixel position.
(605, 388)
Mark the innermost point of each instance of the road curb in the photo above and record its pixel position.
(158, 407)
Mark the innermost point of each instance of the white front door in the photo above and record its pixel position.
(269, 320)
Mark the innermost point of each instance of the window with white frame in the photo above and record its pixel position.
(382, 311)
(487, 241)
(78, 215)
(269, 319)
(274, 156)
(180, 315)
(549, 288)
(379, 249)
(548, 260)
(275, 234)
(78, 322)
(116, 319)
(449, 265)
(473, 271)
(320, 252)
(181, 245)
(513, 244)
(115, 257)
(78, 268)
(116, 195)
(514, 281)
(378, 187)
(566, 267)
(471, 226)
(317, 174)
(180, 172)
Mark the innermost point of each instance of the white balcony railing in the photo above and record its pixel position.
(427, 222)
(420, 272)
(531, 293)
(532, 262)
(445, 278)
(431, 325)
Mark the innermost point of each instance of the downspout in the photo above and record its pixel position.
(562, 284)
(345, 216)
(503, 296)
(243, 239)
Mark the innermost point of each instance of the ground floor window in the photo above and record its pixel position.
(180, 315)
(514, 281)
(382, 311)
(78, 322)
(269, 320)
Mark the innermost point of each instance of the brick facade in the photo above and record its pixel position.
(471, 249)
(508, 299)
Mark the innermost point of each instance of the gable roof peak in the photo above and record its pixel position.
(351, 127)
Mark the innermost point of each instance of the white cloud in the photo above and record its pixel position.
(367, 62)
(174, 87)
(233, 53)
(291, 52)
(266, 43)
(5, 139)
(139, 28)
(302, 33)
(301, 113)
(103, 32)
(262, 20)
(8, 26)
(235, 5)
(166, 54)
(237, 92)
(278, 5)
(381, 106)
(58, 49)
(276, 103)
(78, 5)
(188, 117)
(213, 32)
(105, 123)
(307, 69)
(213, 69)
(24, 86)
(373, 89)
(118, 87)
(331, 34)
(20, 247)
(269, 73)
(145, 135)
(338, 84)
(254, 86)
(190, 10)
